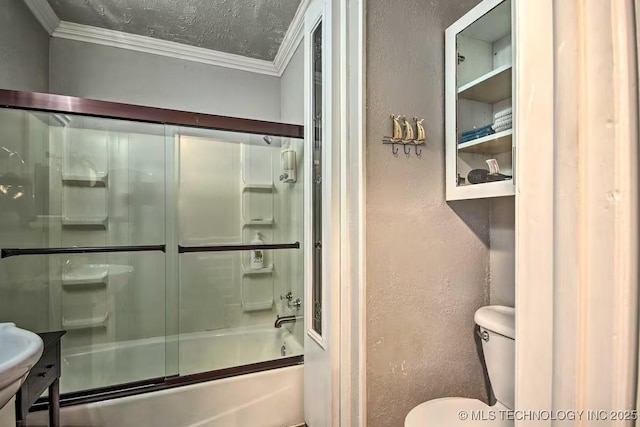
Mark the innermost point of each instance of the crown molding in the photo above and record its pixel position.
(44, 14)
(89, 34)
(291, 39)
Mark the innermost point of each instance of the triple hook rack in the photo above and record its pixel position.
(403, 134)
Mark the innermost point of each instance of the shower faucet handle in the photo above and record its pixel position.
(288, 296)
(295, 304)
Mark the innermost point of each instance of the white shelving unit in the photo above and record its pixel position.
(479, 84)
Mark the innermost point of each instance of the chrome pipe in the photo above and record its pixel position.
(280, 320)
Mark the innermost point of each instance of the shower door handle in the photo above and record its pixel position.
(9, 252)
(231, 248)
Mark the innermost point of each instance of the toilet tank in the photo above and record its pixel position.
(497, 329)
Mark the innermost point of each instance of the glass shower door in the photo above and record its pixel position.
(163, 251)
(240, 234)
(82, 233)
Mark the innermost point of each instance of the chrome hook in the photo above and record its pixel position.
(418, 153)
(394, 150)
(405, 149)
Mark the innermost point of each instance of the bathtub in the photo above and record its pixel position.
(118, 363)
(269, 398)
(266, 399)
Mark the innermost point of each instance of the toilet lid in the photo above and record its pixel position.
(448, 412)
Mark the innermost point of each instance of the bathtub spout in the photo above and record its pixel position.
(286, 319)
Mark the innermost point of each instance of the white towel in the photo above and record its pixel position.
(503, 121)
(502, 128)
(503, 113)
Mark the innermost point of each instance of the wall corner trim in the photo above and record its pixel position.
(43, 12)
(291, 39)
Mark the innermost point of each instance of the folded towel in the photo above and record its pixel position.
(503, 120)
(496, 125)
(477, 130)
(468, 138)
(503, 128)
(503, 113)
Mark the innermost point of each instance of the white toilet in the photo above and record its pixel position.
(497, 329)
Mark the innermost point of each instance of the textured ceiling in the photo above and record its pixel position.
(251, 28)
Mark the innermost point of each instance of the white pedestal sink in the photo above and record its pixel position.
(19, 351)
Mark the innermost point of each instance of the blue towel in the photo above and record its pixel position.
(477, 135)
(477, 131)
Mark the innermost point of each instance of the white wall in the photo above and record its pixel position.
(24, 49)
(292, 89)
(106, 73)
(502, 251)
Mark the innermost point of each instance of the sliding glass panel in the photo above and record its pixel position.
(237, 190)
(69, 182)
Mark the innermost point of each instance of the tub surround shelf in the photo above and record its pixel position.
(85, 222)
(250, 222)
(258, 186)
(96, 322)
(100, 180)
(250, 271)
(490, 88)
(496, 143)
(72, 279)
(257, 306)
(93, 274)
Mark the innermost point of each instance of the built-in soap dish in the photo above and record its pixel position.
(93, 274)
(93, 323)
(252, 271)
(85, 222)
(97, 180)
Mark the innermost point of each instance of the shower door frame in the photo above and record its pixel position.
(51, 103)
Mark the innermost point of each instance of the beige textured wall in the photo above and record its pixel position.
(428, 261)
(502, 235)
